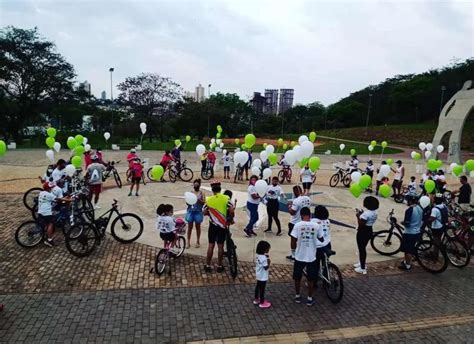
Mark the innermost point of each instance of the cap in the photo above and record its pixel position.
(46, 185)
(215, 182)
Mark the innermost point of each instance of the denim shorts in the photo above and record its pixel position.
(194, 216)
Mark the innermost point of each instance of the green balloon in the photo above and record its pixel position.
(272, 158)
(79, 139)
(71, 143)
(312, 136)
(237, 141)
(470, 165)
(314, 163)
(285, 146)
(389, 161)
(177, 142)
(353, 151)
(188, 138)
(3, 147)
(303, 162)
(355, 190)
(51, 132)
(219, 129)
(213, 145)
(384, 144)
(292, 143)
(76, 161)
(373, 143)
(50, 142)
(243, 146)
(218, 135)
(430, 186)
(79, 150)
(439, 163)
(417, 156)
(265, 145)
(250, 140)
(432, 165)
(457, 170)
(157, 172)
(385, 190)
(280, 141)
(365, 181)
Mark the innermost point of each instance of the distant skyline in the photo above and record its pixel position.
(323, 50)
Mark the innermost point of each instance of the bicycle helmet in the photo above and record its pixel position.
(180, 222)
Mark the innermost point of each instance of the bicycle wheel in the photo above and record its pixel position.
(160, 261)
(148, 174)
(289, 173)
(346, 180)
(386, 243)
(172, 175)
(399, 198)
(179, 247)
(81, 240)
(432, 259)
(334, 180)
(186, 174)
(206, 174)
(30, 198)
(29, 234)
(457, 252)
(126, 228)
(232, 257)
(335, 288)
(281, 176)
(86, 209)
(118, 181)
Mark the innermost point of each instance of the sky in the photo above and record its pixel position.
(323, 49)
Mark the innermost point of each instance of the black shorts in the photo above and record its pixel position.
(226, 168)
(311, 270)
(45, 220)
(290, 228)
(216, 234)
(409, 242)
(136, 179)
(168, 236)
(397, 184)
(307, 186)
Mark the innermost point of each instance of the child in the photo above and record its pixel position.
(307, 177)
(412, 186)
(226, 159)
(230, 216)
(366, 220)
(321, 217)
(166, 223)
(369, 170)
(136, 175)
(261, 269)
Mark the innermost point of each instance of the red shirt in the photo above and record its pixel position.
(165, 160)
(211, 157)
(130, 158)
(87, 159)
(137, 169)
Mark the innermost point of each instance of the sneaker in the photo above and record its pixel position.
(129, 194)
(290, 257)
(361, 271)
(309, 302)
(265, 304)
(247, 234)
(49, 242)
(136, 194)
(357, 265)
(207, 268)
(96, 207)
(404, 266)
(252, 232)
(267, 230)
(278, 233)
(298, 299)
(220, 269)
(256, 302)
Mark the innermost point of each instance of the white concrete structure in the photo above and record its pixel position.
(200, 93)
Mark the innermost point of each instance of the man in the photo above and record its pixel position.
(304, 240)
(294, 207)
(94, 177)
(354, 164)
(218, 207)
(176, 153)
(307, 177)
(252, 206)
(464, 194)
(412, 223)
(398, 178)
(59, 172)
(379, 178)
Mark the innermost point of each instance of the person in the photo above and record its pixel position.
(353, 164)
(464, 194)
(321, 217)
(438, 221)
(398, 178)
(283, 162)
(304, 238)
(136, 175)
(194, 214)
(294, 207)
(262, 265)
(247, 165)
(94, 177)
(440, 180)
(227, 160)
(165, 223)
(369, 170)
(203, 158)
(379, 178)
(412, 223)
(211, 158)
(87, 158)
(252, 206)
(366, 220)
(59, 172)
(412, 186)
(424, 177)
(176, 154)
(218, 207)
(307, 177)
(166, 160)
(131, 157)
(100, 156)
(272, 199)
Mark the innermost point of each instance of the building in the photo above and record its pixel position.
(271, 101)
(286, 99)
(258, 102)
(200, 93)
(84, 86)
(103, 95)
(189, 94)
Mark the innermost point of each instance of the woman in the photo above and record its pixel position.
(273, 205)
(252, 206)
(366, 220)
(194, 213)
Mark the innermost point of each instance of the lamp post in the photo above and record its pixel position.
(443, 89)
(368, 112)
(111, 70)
(209, 116)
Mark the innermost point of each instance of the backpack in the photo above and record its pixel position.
(137, 170)
(95, 176)
(444, 216)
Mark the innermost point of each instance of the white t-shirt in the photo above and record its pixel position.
(326, 232)
(436, 213)
(306, 175)
(58, 174)
(425, 177)
(299, 203)
(45, 203)
(412, 188)
(227, 159)
(261, 267)
(379, 175)
(370, 168)
(273, 192)
(354, 163)
(370, 216)
(165, 224)
(252, 190)
(306, 233)
(398, 173)
(440, 177)
(57, 192)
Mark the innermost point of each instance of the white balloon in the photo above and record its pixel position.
(87, 148)
(261, 187)
(453, 165)
(267, 173)
(298, 153)
(257, 162)
(370, 148)
(240, 158)
(290, 157)
(427, 154)
(143, 131)
(200, 149)
(224, 151)
(384, 170)
(255, 171)
(142, 126)
(50, 154)
(85, 140)
(213, 140)
(106, 136)
(355, 176)
(57, 147)
(342, 146)
(218, 142)
(307, 148)
(422, 146)
(221, 144)
(237, 149)
(413, 154)
(303, 138)
(429, 146)
(190, 198)
(70, 170)
(440, 149)
(264, 155)
(424, 201)
(270, 149)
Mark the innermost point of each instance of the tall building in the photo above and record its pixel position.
(189, 94)
(103, 95)
(84, 86)
(258, 102)
(286, 99)
(271, 101)
(200, 93)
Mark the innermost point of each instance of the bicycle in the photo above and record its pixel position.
(110, 169)
(171, 249)
(239, 173)
(342, 175)
(208, 172)
(388, 242)
(30, 198)
(231, 252)
(285, 174)
(125, 228)
(182, 172)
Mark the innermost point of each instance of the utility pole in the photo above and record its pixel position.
(111, 70)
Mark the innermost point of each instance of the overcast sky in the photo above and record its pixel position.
(324, 50)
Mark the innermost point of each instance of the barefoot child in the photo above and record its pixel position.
(261, 269)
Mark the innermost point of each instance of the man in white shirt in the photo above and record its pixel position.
(94, 175)
(294, 207)
(59, 172)
(398, 178)
(252, 206)
(307, 177)
(304, 240)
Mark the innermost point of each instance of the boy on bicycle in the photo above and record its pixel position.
(166, 223)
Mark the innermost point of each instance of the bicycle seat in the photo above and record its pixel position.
(331, 253)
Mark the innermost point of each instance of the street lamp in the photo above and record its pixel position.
(368, 112)
(443, 88)
(209, 116)
(111, 70)
(209, 90)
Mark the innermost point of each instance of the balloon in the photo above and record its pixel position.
(200, 149)
(87, 148)
(373, 143)
(292, 143)
(237, 141)
(219, 129)
(342, 146)
(385, 190)
(424, 201)
(302, 138)
(303, 162)
(370, 148)
(280, 141)
(106, 136)
(440, 149)
(143, 126)
(3, 147)
(70, 170)
(384, 170)
(439, 163)
(50, 154)
(250, 140)
(470, 165)
(143, 130)
(417, 156)
(265, 145)
(79, 138)
(413, 154)
(290, 157)
(51, 132)
(263, 155)
(314, 162)
(157, 172)
(57, 147)
(257, 162)
(365, 181)
(384, 144)
(190, 198)
(429, 146)
(298, 152)
(76, 161)
(429, 185)
(267, 173)
(218, 135)
(432, 165)
(241, 158)
(427, 154)
(79, 150)
(50, 142)
(389, 161)
(355, 176)
(255, 171)
(272, 157)
(177, 142)
(422, 146)
(244, 147)
(221, 144)
(355, 190)
(457, 170)
(285, 146)
(270, 149)
(261, 187)
(85, 140)
(188, 138)
(312, 136)
(213, 140)
(307, 148)
(71, 142)
(353, 151)
(218, 141)
(213, 145)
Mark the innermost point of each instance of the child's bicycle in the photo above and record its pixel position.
(171, 250)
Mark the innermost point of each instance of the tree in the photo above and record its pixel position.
(32, 76)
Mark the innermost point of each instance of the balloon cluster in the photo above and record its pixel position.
(359, 183)
(78, 145)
